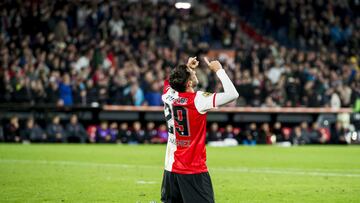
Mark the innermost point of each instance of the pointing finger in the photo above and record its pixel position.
(206, 61)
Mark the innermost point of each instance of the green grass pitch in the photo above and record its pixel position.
(119, 173)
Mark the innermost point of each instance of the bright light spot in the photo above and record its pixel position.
(94, 104)
(182, 5)
(273, 139)
(354, 136)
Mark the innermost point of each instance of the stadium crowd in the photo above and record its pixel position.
(322, 24)
(73, 131)
(111, 52)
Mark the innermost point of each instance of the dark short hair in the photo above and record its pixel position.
(179, 77)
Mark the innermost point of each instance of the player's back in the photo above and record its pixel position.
(186, 153)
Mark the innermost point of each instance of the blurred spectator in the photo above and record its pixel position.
(33, 132)
(214, 134)
(133, 95)
(124, 133)
(309, 24)
(305, 132)
(162, 135)
(338, 134)
(269, 102)
(229, 137)
(75, 131)
(12, 130)
(103, 133)
(21, 93)
(175, 32)
(53, 93)
(102, 56)
(150, 132)
(228, 133)
(91, 92)
(137, 134)
(278, 132)
(2, 138)
(91, 131)
(55, 131)
(265, 134)
(65, 91)
(116, 25)
(250, 135)
(315, 136)
(153, 97)
(297, 136)
(114, 131)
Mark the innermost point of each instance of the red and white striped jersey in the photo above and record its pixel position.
(185, 114)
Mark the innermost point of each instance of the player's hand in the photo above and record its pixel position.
(213, 65)
(192, 63)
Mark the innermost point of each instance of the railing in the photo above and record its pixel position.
(239, 115)
(237, 109)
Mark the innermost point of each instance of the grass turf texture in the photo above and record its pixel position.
(119, 173)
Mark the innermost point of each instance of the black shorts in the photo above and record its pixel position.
(186, 188)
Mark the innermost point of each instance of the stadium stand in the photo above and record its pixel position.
(99, 53)
(63, 53)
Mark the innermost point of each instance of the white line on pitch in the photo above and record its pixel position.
(292, 171)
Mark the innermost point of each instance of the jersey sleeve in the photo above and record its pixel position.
(204, 101)
(166, 86)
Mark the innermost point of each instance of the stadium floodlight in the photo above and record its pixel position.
(183, 5)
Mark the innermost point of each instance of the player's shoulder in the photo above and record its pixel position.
(202, 94)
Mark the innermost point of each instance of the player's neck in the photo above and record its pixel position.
(190, 90)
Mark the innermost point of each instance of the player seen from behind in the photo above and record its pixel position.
(186, 178)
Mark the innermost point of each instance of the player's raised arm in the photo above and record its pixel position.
(207, 101)
(230, 93)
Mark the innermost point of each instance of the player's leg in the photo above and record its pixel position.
(170, 192)
(196, 188)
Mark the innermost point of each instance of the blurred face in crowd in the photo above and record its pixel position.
(137, 126)
(269, 102)
(124, 126)
(214, 127)
(315, 126)
(155, 87)
(149, 77)
(266, 127)
(56, 120)
(66, 79)
(90, 84)
(30, 123)
(297, 131)
(162, 127)
(253, 126)
(338, 125)
(33, 85)
(14, 120)
(304, 125)
(229, 128)
(74, 119)
(150, 125)
(277, 125)
(114, 125)
(104, 125)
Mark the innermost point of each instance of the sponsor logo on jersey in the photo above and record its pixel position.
(206, 94)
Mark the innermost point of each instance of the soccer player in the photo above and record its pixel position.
(186, 178)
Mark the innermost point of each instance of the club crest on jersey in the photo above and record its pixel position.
(206, 94)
